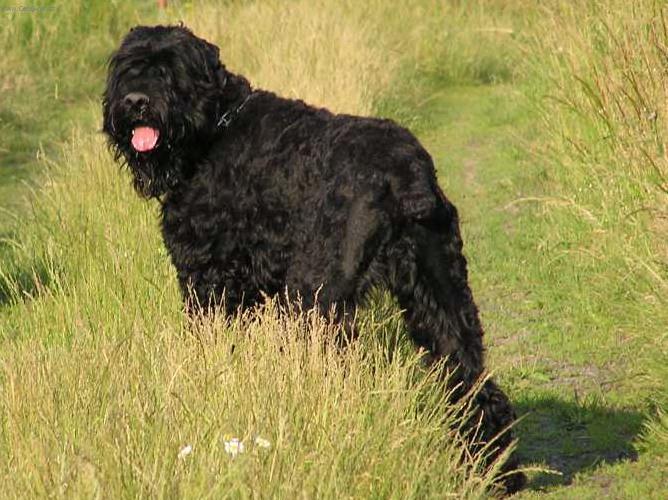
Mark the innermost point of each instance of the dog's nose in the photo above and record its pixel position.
(135, 99)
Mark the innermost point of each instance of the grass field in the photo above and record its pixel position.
(548, 126)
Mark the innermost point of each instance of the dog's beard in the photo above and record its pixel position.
(152, 180)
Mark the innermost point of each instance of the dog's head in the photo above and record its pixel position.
(163, 97)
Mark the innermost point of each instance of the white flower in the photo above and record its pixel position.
(185, 451)
(234, 446)
(261, 442)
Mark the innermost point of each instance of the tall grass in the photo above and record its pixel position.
(606, 110)
(50, 69)
(109, 415)
(55, 47)
(597, 71)
(102, 381)
(352, 73)
(380, 44)
(603, 71)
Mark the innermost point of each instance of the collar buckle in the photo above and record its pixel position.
(225, 120)
(228, 117)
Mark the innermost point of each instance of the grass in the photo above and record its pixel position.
(80, 285)
(578, 365)
(47, 79)
(534, 116)
(117, 419)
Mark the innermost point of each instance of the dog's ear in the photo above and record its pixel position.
(211, 56)
(215, 68)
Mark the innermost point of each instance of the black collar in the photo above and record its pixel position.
(228, 117)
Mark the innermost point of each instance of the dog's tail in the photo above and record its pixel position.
(430, 279)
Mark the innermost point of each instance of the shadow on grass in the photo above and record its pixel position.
(573, 437)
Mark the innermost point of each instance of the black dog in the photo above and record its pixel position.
(262, 194)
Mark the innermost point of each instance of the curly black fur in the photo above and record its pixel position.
(282, 195)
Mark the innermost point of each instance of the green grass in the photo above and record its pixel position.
(51, 73)
(575, 360)
(102, 381)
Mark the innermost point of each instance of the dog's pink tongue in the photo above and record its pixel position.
(144, 138)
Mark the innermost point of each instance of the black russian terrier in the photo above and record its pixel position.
(262, 194)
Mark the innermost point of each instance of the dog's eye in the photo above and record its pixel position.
(156, 72)
(131, 72)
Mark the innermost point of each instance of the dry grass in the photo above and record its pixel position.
(109, 413)
(101, 381)
(341, 65)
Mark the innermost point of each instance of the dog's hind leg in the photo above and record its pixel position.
(429, 277)
(332, 272)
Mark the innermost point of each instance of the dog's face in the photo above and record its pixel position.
(162, 99)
